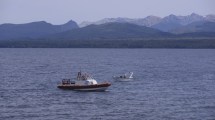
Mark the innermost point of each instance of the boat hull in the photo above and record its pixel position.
(122, 79)
(97, 87)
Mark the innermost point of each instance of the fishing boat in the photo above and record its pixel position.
(83, 82)
(126, 77)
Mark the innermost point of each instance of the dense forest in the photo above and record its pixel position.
(107, 35)
(119, 43)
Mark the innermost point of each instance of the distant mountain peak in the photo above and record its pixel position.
(210, 17)
(172, 21)
(70, 22)
(39, 22)
(69, 25)
(194, 14)
(33, 30)
(152, 16)
(153, 20)
(171, 15)
(111, 30)
(148, 21)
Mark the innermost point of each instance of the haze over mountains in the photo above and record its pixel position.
(166, 24)
(33, 30)
(172, 27)
(148, 21)
(111, 30)
(141, 28)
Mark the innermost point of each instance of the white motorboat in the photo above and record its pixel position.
(84, 82)
(126, 77)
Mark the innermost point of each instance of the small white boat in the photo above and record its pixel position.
(84, 82)
(126, 77)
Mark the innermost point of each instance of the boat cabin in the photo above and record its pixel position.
(67, 82)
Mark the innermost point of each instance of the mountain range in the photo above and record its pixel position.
(166, 24)
(33, 30)
(172, 23)
(148, 21)
(110, 31)
(151, 27)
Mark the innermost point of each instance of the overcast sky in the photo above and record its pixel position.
(61, 11)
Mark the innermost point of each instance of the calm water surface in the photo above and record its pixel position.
(169, 84)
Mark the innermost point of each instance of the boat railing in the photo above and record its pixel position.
(66, 81)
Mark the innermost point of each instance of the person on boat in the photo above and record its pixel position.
(124, 76)
(85, 76)
(79, 75)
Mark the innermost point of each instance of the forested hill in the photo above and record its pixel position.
(111, 35)
(110, 31)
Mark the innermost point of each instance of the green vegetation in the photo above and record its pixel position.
(109, 35)
(119, 43)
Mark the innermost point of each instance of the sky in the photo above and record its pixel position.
(61, 11)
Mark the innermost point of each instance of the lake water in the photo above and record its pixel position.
(169, 84)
